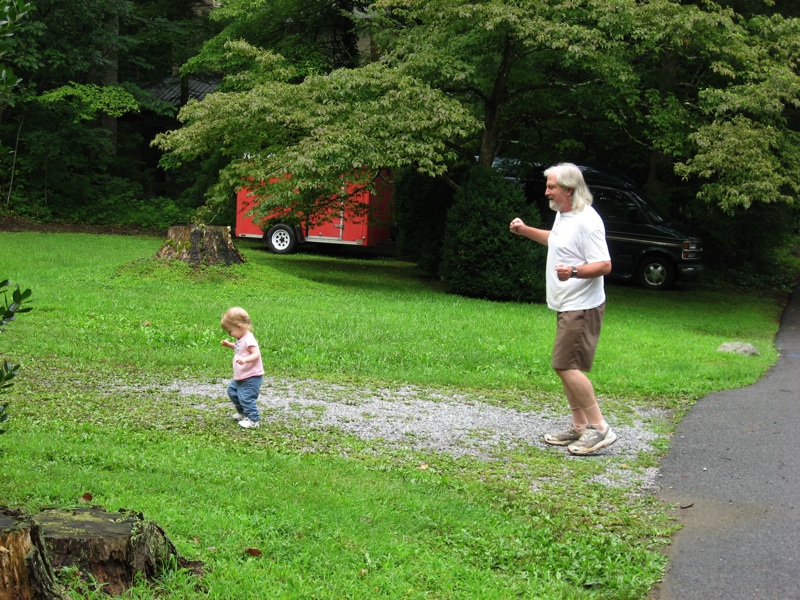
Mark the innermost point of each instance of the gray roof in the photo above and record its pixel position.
(169, 89)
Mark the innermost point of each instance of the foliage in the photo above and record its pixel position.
(315, 36)
(91, 100)
(12, 11)
(746, 239)
(305, 137)
(622, 70)
(10, 310)
(479, 257)
(19, 299)
(747, 148)
(77, 134)
(690, 87)
(421, 205)
(701, 95)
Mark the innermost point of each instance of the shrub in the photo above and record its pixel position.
(480, 257)
(9, 311)
(421, 205)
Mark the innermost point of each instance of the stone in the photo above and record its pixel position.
(739, 348)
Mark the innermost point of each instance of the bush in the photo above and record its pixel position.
(480, 257)
(9, 310)
(421, 205)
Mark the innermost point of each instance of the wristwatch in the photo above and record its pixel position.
(574, 271)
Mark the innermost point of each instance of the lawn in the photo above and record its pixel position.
(335, 515)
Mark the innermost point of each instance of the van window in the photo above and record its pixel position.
(616, 207)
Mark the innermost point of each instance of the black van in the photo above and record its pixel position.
(644, 245)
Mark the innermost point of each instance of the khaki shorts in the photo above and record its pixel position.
(576, 338)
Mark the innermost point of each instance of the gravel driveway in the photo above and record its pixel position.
(420, 419)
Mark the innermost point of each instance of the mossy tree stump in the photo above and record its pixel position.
(114, 548)
(25, 572)
(200, 244)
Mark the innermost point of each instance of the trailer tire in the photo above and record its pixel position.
(281, 239)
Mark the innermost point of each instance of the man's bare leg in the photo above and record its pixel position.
(582, 401)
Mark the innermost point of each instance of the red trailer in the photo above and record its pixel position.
(357, 228)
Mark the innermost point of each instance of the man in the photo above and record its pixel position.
(577, 260)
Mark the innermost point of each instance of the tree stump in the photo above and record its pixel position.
(111, 547)
(25, 573)
(200, 244)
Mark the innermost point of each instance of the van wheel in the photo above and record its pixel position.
(281, 239)
(656, 273)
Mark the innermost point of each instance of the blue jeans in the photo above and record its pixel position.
(244, 394)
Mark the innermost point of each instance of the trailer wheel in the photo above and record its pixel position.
(281, 239)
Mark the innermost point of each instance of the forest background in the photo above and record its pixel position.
(697, 101)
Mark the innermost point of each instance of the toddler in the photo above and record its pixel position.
(248, 370)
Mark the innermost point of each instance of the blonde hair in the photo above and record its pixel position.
(570, 176)
(236, 316)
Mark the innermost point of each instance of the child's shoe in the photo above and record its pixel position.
(248, 424)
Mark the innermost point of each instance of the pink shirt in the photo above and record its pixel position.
(241, 349)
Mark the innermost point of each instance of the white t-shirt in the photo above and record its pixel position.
(241, 349)
(577, 238)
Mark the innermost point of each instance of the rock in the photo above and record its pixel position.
(739, 348)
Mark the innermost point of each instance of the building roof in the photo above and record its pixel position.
(169, 89)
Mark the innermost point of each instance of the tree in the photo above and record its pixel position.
(746, 147)
(315, 36)
(79, 130)
(306, 136)
(537, 69)
(657, 87)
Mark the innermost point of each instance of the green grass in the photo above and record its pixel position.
(350, 519)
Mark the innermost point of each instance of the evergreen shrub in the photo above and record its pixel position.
(421, 205)
(481, 258)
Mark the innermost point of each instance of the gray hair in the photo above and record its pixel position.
(570, 176)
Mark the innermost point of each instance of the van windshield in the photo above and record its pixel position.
(651, 211)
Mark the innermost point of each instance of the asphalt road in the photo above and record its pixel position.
(733, 471)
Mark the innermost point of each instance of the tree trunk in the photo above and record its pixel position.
(200, 244)
(113, 548)
(25, 573)
(110, 76)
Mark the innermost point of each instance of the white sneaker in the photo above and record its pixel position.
(248, 424)
(592, 440)
(237, 416)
